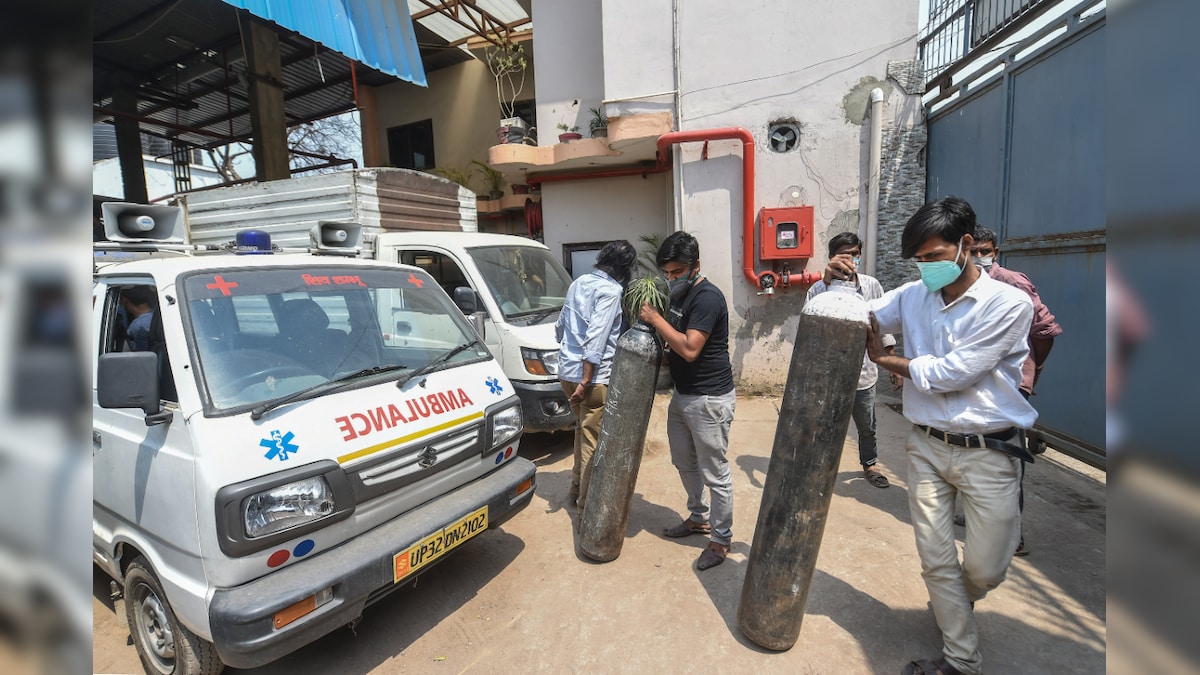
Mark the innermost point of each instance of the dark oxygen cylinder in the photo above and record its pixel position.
(813, 419)
(619, 445)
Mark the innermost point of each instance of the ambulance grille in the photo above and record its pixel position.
(415, 461)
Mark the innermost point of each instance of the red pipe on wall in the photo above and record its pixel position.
(767, 280)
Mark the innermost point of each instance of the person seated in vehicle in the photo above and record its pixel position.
(138, 303)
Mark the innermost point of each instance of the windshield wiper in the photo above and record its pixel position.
(435, 363)
(537, 315)
(321, 389)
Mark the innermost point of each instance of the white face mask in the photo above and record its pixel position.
(983, 261)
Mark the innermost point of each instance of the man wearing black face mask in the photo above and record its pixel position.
(702, 408)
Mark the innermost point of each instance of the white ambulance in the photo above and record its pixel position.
(271, 455)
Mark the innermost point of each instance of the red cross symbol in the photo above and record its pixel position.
(416, 281)
(220, 283)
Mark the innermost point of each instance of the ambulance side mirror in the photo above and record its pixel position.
(128, 380)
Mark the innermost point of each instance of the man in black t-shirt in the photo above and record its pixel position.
(702, 407)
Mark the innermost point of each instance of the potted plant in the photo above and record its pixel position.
(568, 133)
(493, 179)
(459, 176)
(506, 61)
(599, 124)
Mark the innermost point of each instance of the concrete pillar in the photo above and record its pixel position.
(267, 121)
(375, 152)
(129, 147)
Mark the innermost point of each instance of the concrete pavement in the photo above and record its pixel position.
(523, 599)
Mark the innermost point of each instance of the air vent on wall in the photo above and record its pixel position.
(783, 137)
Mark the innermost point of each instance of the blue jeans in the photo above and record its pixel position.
(864, 421)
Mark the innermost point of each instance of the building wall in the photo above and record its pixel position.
(570, 56)
(749, 64)
(639, 68)
(461, 101)
(604, 210)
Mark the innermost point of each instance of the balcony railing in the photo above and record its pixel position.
(958, 28)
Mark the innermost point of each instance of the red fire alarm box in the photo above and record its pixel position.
(785, 233)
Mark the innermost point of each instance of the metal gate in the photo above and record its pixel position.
(1025, 146)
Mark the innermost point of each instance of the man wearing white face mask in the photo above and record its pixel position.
(967, 334)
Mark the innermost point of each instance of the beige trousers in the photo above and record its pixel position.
(587, 432)
(987, 482)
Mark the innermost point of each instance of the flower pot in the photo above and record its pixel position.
(510, 135)
(569, 136)
(495, 194)
(519, 189)
(600, 132)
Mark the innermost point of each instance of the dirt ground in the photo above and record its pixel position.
(523, 599)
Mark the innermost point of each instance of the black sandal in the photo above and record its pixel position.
(927, 667)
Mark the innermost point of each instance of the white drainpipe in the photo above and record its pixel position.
(873, 180)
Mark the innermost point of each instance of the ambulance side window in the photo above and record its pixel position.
(132, 323)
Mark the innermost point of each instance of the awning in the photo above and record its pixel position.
(369, 31)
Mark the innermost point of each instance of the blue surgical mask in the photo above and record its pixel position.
(939, 274)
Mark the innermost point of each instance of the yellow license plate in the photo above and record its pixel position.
(438, 544)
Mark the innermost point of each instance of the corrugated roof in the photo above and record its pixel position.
(369, 31)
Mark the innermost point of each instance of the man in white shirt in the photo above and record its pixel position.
(868, 288)
(967, 334)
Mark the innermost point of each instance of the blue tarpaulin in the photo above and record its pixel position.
(371, 32)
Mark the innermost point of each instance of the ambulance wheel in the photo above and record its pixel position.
(163, 644)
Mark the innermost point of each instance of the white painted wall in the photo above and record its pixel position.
(570, 55)
(604, 210)
(749, 63)
(638, 56)
(741, 64)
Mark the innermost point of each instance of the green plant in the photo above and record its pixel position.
(646, 289)
(459, 176)
(649, 257)
(599, 119)
(493, 178)
(562, 126)
(506, 60)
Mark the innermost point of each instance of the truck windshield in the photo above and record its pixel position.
(262, 334)
(527, 281)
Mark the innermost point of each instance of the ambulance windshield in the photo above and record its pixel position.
(263, 334)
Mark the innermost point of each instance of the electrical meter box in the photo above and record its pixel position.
(785, 233)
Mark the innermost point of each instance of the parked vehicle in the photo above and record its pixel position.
(416, 218)
(521, 288)
(281, 456)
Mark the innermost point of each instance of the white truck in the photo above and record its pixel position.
(415, 218)
(279, 456)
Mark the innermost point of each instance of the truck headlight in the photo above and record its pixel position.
(540, 362)
(287, 506)
(505, 424)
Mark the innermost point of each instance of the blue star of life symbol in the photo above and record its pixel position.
(494, 385)
(280, 445)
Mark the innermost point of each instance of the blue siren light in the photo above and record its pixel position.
(253, 242)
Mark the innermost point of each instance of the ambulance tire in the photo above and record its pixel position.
(163, 644)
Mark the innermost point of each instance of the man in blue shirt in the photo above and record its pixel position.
(587, 332)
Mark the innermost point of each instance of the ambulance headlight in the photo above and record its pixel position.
(287, 506)
(506, 424)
